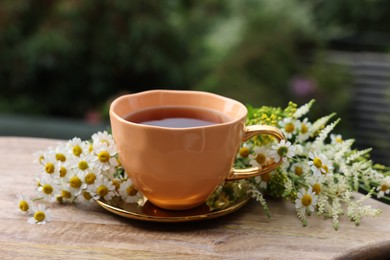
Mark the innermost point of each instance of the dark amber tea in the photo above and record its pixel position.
(177, 117)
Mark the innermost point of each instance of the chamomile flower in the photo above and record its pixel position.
(91, 176)
(317, 164)
(49, 163)
(39, 155)
(75, 183)
(282, 151)
(384, 187)
(327, 166)
(304, 130)
(103, 138)
(103, 188)
(104, 157)
(128, 192)
(299, 168)
(263, 180)
(244, 151)
(60, 153)
(336, 139)
(24, 203)
(306, 200)
(48, 188)
(40, 215)
(65, 194)
(117, 183)
(288, 127)
(84, 163)
(63, 168)
(316, 183)
(85, 197)
(260, 157)
(77, 147)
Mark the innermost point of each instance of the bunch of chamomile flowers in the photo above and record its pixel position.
(78, 172)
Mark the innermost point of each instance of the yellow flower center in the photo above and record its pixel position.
(289, 127)
(116, 183)
(326, 169)
(317, 162)
(304, 129)
(282, 151)
(131, 190)
(63, 171)
(298, 170)
(47, 189)
(87, 195)
(39, 216)
(339, 140)
(384, 187)
(41, 158)
(90, 148)
(265, 177)
(104, 156)
(60, 157)
(23, 205)
(75, 182)
(77, 150)
(119, 163)
(102, 190)
(244, 152)
(60, 199)
(90, 178)
(49, 168)
(306, 200)
(260, 158)
(83, 165)
(317, 188)
(66, 194)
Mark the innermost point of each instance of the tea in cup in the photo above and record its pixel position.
(179, 146)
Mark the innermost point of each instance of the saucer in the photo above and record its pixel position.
(149, 212)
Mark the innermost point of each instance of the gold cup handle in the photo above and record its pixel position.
(250, 131)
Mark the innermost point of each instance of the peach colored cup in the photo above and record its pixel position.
(178, 168)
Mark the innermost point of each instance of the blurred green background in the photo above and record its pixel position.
(62, 62)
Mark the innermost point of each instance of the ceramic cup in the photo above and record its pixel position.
(178, 168)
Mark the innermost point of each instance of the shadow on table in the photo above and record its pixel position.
(193, 226)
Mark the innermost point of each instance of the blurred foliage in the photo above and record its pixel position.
(67, 57)
(354, 25)
(277, 56)
(351, 16)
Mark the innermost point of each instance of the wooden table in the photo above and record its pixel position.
(93, 233)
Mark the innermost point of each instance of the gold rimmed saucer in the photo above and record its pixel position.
(149, 212)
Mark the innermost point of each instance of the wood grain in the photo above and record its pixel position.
(93, 233)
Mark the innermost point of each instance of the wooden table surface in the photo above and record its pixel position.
(93, 233)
